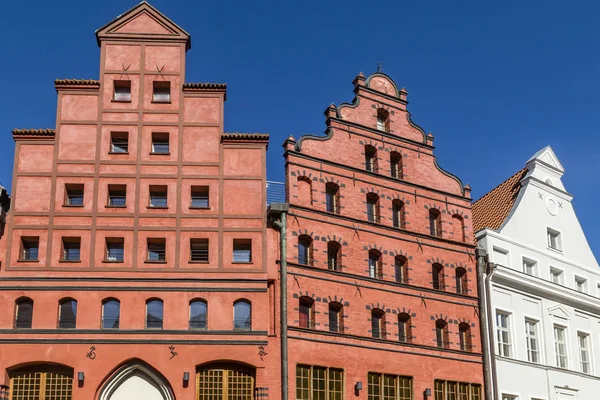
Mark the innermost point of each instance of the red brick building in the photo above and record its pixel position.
(382, 287)
(134, 261)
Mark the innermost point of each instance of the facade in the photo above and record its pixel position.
(4, 208)
(134, 262)
(381, 288)
(543, 287)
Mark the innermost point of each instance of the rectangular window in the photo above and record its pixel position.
(199, 250)
(445, 390)
(74, 195)
(156, 249)
(115, 249)
(117, 195)
(388, 387)
(503, 333)
(122, 91)
(30, 246)
(531, 337)
(556, 275)
(71, 249)
(319, 383)
(158, 196)
(581, 284)
(160, 143)
(332, 198)
(554, 240)
(119, 142)
(560, 346)
(509, 397)
(242, 250)
(529, 267)
(200, 197)
(584, 353)
(161, 91)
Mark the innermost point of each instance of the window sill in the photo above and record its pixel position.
(73, 205)
(160, 102)
(69, 261)
(554, 250)
(120, 101)
(199, 208)
(154, 262)
(113, 261)
(157, 208)
(198, 262)
(118, 152)
(109, 206)
(28, 260)
(242, 262)
(159, 154)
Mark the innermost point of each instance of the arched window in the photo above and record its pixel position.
(23, 313)
(375, 269)
(332, 197)
(334, 256)
(464, 331)
(336, 317)
(242, 315)
(305, 250)
(437, 276)
(401, 267)
(225, 380)
(398, 218)
(306, 313)
(383, 120)
(111, 314)
(378, 323)
(461, 281)
(404, 330)
(305, 196)
(154, 314)
(373, 208)
(67, 314)
(441, 334)
(198, 314)
(370, 158)
(396, 170)
(51, 382)
(459, 227)
(435, 222)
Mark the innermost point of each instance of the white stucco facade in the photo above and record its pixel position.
(543, 294)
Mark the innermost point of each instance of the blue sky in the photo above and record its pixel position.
(494, 82)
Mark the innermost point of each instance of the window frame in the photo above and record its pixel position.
(581, 283)
(27, 243)
(119, 142)
(504, 347)
(442, 336)
(401, 264)
(378, 324)
(158, 246)
(74, 191)
(560, 275)
(201, 194)
(377, 389)
(306, 313)
(125, 95)
(115, 193)
(585, 366)
(305, 382)
(62, 323)
(20, 319)
(338, 311)
(244, 247)
(201, 325)
(159, 324)
(247, 322)
(108, 241)
(561, 343)
(161, 88)
(404, 328)
(159, 141)
(156, 194)
(103, 318)
(438, 281)
(435, 223)
(334, 256)
(530, 265)
(332, 197)
(396, 165)
(200, 254)
(371, 164)
(532, 341)
(373, 202)
(554, 239)
(305, 250)
(398, 214)
(375, 264)
(66, 243)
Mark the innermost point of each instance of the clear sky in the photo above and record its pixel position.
(493, 81)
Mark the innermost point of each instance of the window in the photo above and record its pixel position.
(161, 91)
(200, 197)
(404, 328)
(30, 246)
(242, 315)
(446, 390)
(560, 346)
(556, 275)
(242, 250)
(398, 218)
(531, 337)
(375, 270)
(389, 387)
(305, 250)
(584, 354)
(305, 195)
(378, 323)
(122, 91)
(71, 249)
(509, 397)
(319, 383)
(529, 267)
(401, 269)
(332, 197)
(160, 143)
(67, 314)
(464, 334)
(396, 165)
(383, 120)
(373, 207)
(334, 256)
(503, 333)
(435, 223)
(117, 195)
(581, 284)
(74, 195)
(437, 275)
(306, 313)
(461, 281)
(198, 250)
(336, 317)
(154, 314)
(554, 239)
(115, 249)
(441, 334)
(48, 382)
(156, 250)
(198, 314)
(458, 223)
(370, 158)
(158, 196)
(111, 313)
(119, 143)
(221, 381)
(23, 313)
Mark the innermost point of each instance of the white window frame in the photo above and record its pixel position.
(501, 344)
(506, 396)
(554, 239)
(581, 280)
(560, 275)
(561, 358)
(529, 263)
(532, 338)
(584, 366)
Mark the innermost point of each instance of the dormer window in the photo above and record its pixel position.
(161, 92)
(383, 120)
(554, 241)
(122, 91)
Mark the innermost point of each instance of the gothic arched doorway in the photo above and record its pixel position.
(136, 380)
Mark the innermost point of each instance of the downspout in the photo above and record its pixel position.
(485, 272)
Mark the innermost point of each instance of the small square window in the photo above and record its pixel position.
(200, 197)
(158, 196)
(554, 239)
(122, 91)
(242, 250)
(74, 195)
(119, 142)
(529, 267)
(30, 246)
(117, 195)
(581, 284)
(199, 250)
(161, 91)
(160, 143)
(71, 249)
(557, 276)
(156, 250)
(115, 249)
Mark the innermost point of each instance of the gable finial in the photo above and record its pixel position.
(379, 66)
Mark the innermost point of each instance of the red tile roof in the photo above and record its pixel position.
(33, 132)
(77, 82)
(204, 85)
(245, 136)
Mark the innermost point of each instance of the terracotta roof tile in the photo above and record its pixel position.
(33, 132)
(491, 210)
(76, 82)
(245, 136)
(204, 85)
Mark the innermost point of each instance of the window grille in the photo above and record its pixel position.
(41, 385)
(319, 383)
(531, 337)
(199, 250)
(389, 387)
(447, 390)
(503, 334)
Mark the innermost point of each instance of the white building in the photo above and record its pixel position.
(542, 295)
